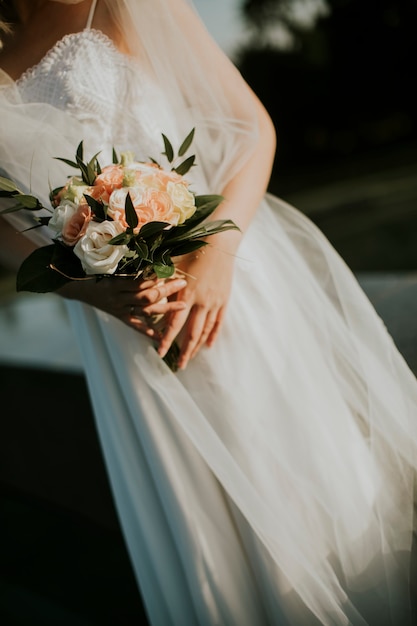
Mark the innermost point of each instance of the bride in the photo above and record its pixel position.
(270, 480)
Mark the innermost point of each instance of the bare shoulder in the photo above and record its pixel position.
(104, 22)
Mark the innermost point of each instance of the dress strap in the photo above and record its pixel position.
(91, 14)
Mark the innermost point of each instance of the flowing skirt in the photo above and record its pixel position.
(271, 482)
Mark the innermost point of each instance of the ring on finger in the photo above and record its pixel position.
(158, 293)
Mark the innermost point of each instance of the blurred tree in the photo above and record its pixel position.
(340, 81)
(277, 22)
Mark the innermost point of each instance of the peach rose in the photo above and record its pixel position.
(98, 192)
(117, 202)
(149, 174)
(76, 226)
(58, 197)
(160, 204)
(150, 205)
(111, 178)
(171, 177)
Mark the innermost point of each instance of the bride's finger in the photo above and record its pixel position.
(192, 336)
(214, 333)
(162, 308)
(141, 326)
(176, 321)
(160, 291)
(209, 325)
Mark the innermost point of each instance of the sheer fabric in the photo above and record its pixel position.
(271, 482)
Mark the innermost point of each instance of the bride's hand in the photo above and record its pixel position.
(132, 301)
(206, 295)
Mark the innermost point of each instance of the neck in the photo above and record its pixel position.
(26, 9)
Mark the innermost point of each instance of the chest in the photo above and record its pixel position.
(85, 75)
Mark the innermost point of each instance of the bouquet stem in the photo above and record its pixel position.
(172, 356)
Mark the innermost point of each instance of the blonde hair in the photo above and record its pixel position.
(7, 17)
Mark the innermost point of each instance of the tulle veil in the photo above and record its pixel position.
(352, 523)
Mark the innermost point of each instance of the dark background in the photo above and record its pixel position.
(344, 105)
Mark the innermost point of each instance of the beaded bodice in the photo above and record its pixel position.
(86, 75)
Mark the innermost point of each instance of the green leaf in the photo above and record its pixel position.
(35, 273)
(142, 250)
(122, 239)
(28, 202)
(116, 159)
(152, 228)
(80, 152)
(162, 270)
(217, 226)
(188, 246)
(91, 174)
(84, 171)
(186, 143)
(130, 213)
(169, 150)
(68, 162)
(205, 207)
(54, 192)
(11, 209)
(185, 166)
(43, 221)
(204, 230)
(209, 200)
(96, 206)
(92, 167)
(65, 261)
(6, 184)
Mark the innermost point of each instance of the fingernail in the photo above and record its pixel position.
(182, 282)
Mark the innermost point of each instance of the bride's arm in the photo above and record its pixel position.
(206, 297)
(128, 300)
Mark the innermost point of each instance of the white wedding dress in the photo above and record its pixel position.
(271, 482)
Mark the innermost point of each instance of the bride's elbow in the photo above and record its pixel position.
(267, 130)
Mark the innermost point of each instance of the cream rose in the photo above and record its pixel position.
(184, 203)
(150, 205)
(96, 254)
(62, 213)
(117, 202)
(147, 174)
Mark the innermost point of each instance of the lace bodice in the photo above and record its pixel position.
(86, 75)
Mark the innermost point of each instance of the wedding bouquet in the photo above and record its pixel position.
(129, 218)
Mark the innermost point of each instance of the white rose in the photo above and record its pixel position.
(184, 203)
(96, 254)
(61, 215)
